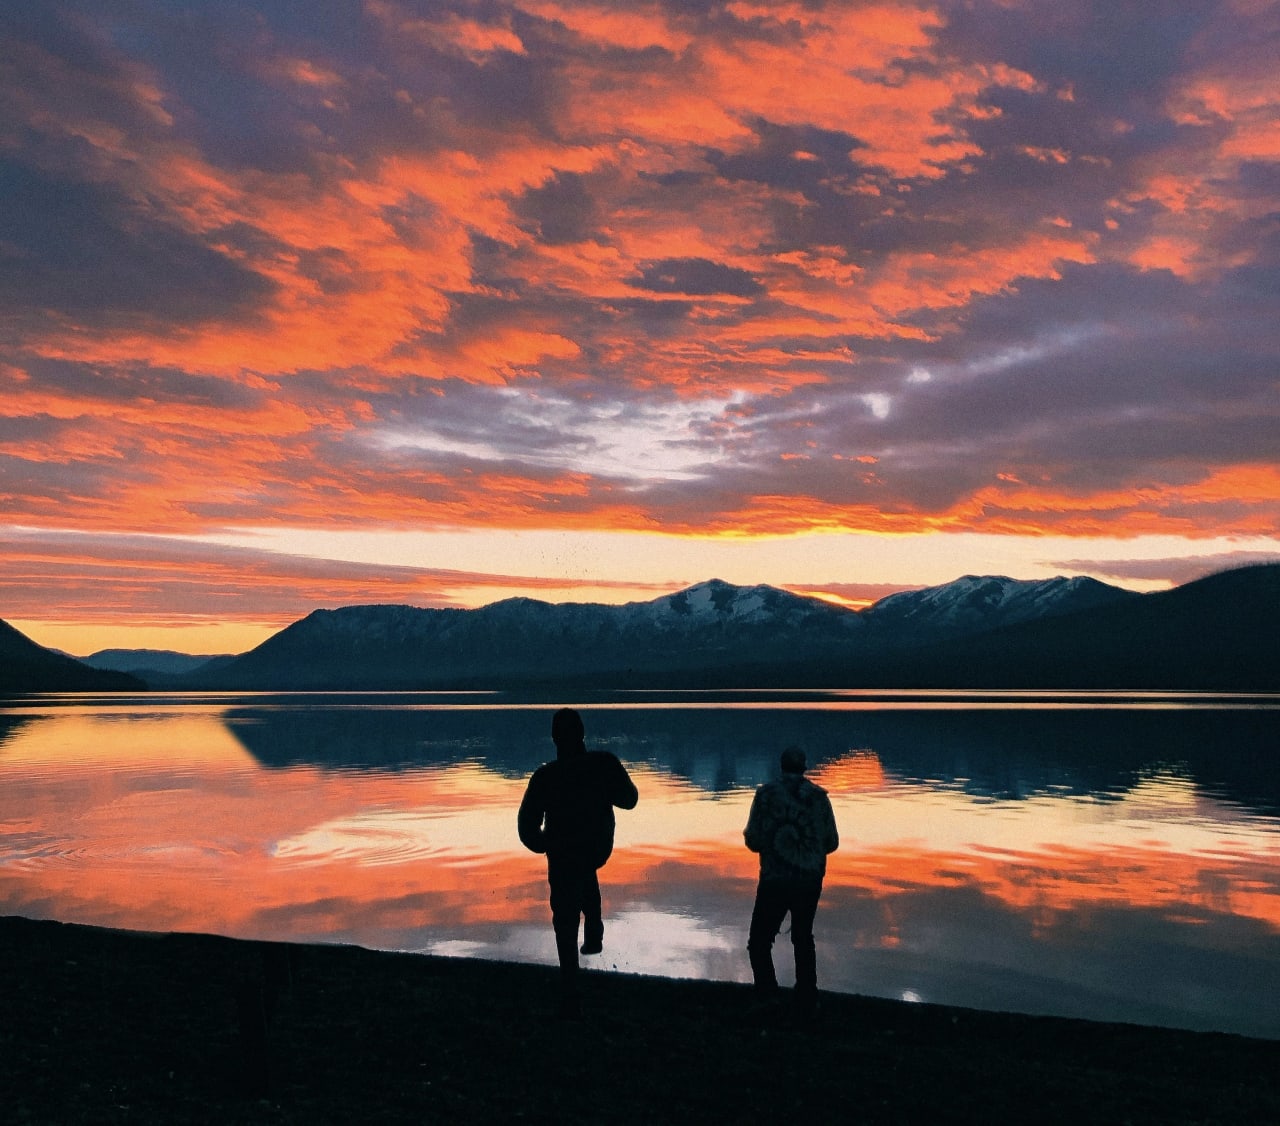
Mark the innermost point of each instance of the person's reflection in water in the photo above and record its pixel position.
(567, 813)
(792, 827)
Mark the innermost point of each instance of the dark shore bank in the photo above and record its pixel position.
(101, 1026)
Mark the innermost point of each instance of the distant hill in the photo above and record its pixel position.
(28, 667)
(713, 634)
(148, 662)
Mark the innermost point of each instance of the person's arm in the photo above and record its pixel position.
(752, 833)
(831, 835)
(623, 792)
(529, 819)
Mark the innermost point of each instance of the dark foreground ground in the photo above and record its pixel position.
(100, 1026)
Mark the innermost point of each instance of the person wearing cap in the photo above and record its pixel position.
(567, 813)
(792, 827)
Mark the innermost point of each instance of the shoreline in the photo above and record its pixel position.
(111, 1026)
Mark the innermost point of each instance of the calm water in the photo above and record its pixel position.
(1112, 857)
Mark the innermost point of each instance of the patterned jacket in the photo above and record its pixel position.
(793, 828)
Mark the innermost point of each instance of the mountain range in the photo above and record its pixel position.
(978, 631)
(713, 634)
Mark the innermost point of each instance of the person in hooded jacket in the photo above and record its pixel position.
(567, 813)
(793, 828)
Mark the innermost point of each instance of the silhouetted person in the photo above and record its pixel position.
(792, 827)
(567, 813)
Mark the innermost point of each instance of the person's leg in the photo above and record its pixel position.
(566, 907)
(804, 906)
(592, 914)
(766, 920)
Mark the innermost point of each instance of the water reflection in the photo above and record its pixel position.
(1095, 861)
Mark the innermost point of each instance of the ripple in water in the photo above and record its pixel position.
(368, 839)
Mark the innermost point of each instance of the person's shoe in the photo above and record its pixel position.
(593, 946)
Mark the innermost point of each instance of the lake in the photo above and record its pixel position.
(1100, 855)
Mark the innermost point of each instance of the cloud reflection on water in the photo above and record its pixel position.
(1033, 864)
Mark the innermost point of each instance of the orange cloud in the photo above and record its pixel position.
(1231, 98)
(267, 418)
(1236, 500)
(939, 280)
(636, 28)
(1242, 501)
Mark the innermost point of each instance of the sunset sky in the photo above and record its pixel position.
(321, 302)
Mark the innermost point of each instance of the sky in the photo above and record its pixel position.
(313, 303)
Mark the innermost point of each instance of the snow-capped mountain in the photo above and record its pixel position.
(977, 602)
(711, 625)
(722, 603)
(1215, 633)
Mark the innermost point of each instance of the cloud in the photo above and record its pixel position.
(734, 269)
(1175, 571)
(169, 581)
(856, 596)
(697, 276)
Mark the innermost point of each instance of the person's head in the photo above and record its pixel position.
(567, 732)
(793, 761)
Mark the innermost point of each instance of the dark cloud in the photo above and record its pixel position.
(697, 276)
(118, 385)
(802, 158)
(1174, 571)
(562, 211)
(1102, 365)
(78, 241)
(80, 250)
(1116, 54)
